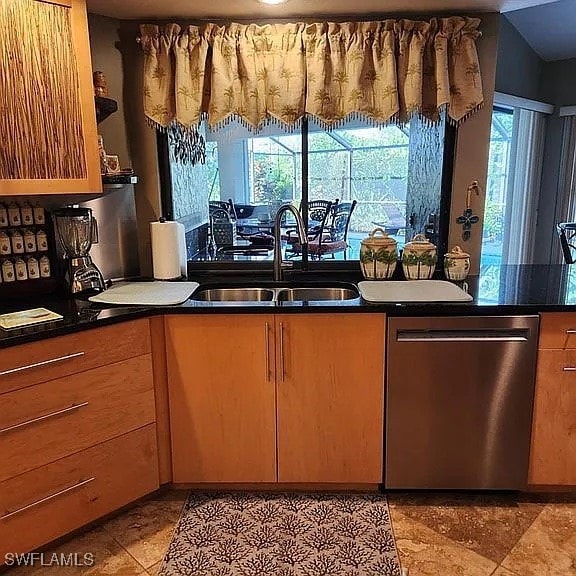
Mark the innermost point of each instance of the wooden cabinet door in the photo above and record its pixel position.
(48, 131)
(330, 390)
(222, 397)
(553, 458)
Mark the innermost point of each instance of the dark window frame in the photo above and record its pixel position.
(166, 202)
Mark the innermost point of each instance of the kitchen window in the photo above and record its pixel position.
(397, 176)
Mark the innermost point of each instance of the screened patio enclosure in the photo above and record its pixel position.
(369, 165)
(393, 173)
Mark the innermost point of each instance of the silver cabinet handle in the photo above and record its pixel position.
(267, 332)
(43, 363)
(282, 352)
(569, 368)
(571, 331)
(47, 498)
(45, 417)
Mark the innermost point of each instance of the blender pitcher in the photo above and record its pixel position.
(77, 231)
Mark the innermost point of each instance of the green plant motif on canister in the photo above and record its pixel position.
(378, 255)
(419, 259)
(456, 264)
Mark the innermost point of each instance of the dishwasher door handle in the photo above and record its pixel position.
(518, 335)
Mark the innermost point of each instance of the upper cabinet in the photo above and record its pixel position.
(47, 117)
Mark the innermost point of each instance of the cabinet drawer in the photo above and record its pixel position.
(45, 360)
(557, 330)
(46, 503)
(42, 423)
(553, 455)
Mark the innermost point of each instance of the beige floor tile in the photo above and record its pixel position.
(109, 559)
(491, 525)
(428, 553)
(548, 548)
(169, 495)
(500, 571)
(146, 530)
(153, 571)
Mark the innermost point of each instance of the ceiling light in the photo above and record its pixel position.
(272, 1)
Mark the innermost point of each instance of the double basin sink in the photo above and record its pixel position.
(293, 293)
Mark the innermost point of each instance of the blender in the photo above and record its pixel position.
(78, 230)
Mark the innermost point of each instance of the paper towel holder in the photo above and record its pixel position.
(176, 256)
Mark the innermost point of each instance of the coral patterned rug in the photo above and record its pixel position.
(256, 534)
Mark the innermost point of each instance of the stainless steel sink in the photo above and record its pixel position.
(319, 293)
(234, 295)
(309, 293)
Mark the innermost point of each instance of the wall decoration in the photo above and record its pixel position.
(468, 218)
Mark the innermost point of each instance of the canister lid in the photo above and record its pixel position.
(419, 244)
(379, 238)
(457, 253)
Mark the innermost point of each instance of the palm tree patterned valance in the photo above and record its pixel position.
(383, 71)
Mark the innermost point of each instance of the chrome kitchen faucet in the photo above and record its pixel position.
(278, 264)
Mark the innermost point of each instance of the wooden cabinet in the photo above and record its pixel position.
(330, 386)
(286, 398)
(37, 362)
(48, 502)
(222, 398)
(97, 405)
(77, 439)
(48, 130)
(553, 454)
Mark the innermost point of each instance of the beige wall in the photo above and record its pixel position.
(107, 58)
(126, 133)
(142, 141)
(473, 141)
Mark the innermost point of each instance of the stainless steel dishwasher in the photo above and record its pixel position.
(459, 402)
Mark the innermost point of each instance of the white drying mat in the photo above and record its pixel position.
(412, 291)
(146, 293)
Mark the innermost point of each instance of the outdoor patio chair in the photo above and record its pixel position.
(228, 207)
(319, 211)
(333, 236)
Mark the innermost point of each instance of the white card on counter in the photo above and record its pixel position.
(27, 317)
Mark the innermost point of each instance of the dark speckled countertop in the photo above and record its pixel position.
(499, 290)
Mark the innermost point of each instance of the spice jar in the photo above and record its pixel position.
(419, 258)
(378, 255)
(456, 264)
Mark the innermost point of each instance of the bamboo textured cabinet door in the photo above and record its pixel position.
(48, 120)
(553, 458)
(222, 397)
(330, 390)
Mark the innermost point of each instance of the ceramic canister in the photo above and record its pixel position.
(378, 255)
(419, 258)
(456, 264)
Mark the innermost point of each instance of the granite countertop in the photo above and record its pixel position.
(523, 289)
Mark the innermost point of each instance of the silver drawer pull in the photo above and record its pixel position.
(45, 417)
(43, 363)
(571, 331)
(569, 368)
(48, 498)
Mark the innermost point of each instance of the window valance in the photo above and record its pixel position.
(383, 71)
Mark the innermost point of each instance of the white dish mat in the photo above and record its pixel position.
(146, 293)
(412, 291)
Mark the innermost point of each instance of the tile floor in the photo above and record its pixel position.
(436, 535)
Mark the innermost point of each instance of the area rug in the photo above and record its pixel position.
(256, 534)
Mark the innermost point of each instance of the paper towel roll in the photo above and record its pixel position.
(168, 250)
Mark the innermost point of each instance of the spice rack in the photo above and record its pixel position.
(27, 250)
